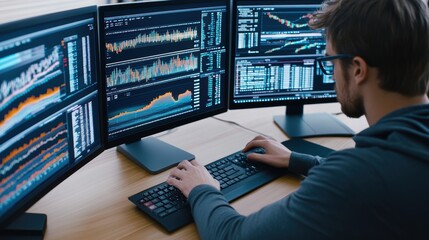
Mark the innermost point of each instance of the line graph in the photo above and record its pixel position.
(299, 22)
(30, 90)
(157, 108)
(153, 38)
(28, 162)
(30, 175)
(32, 145)
(27, 108)
(35, 74)
(289, 43)
(298, 46)
(309, 46)
(160, 67)
(287, 33)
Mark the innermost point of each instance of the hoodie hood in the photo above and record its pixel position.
(404, 131)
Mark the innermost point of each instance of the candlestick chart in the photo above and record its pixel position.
(298, 22)
(288, 33)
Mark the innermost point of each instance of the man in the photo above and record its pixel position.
(379, 189)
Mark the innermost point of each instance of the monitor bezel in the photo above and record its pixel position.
(35, 195)
(160, 127)
(292, 103)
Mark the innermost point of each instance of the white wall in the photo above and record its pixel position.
(11, 10)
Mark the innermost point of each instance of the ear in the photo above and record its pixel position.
(360, 70)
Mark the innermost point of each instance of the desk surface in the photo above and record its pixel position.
(93, 202)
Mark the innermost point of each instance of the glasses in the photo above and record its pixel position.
(326, 64)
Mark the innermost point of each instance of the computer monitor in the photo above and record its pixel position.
(273, 57)
(164, 64)
(49, 108)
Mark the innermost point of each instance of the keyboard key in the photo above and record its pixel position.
(233, 172)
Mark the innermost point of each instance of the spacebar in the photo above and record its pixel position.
(248, 184)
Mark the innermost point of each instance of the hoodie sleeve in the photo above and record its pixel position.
(319, 209)
(301, 163)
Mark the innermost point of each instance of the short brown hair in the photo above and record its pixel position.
(391, 35)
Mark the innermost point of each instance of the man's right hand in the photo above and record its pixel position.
(275, 155)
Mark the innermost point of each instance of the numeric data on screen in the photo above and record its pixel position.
(163, 65)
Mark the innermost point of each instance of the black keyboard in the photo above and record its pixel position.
(237, 176)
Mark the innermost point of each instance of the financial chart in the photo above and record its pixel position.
(163, 65)
(48, 105)
(275, 52)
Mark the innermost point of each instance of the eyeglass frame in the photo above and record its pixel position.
(330, 58)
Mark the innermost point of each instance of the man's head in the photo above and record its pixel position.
(391, 36)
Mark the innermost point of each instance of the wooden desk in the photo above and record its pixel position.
(93, 202)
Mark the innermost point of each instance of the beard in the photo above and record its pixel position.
(353, 110)
(351, 102)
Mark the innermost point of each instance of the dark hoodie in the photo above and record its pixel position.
(377, 190)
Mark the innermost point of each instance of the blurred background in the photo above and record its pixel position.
(11, 10)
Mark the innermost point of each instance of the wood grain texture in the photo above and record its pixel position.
(93, 202)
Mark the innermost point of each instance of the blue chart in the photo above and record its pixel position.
(286, 20)
(26, 164)
(288, 33)
(298, 46)
(41, 81)
(160, 67)
(152, 38)
(161, 106)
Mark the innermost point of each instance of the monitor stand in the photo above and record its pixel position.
(27, 226)
(297, 124)
(153, 154)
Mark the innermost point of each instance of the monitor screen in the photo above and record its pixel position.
(164, 64)
(274, 55)
(274, 52)
(49, 104)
